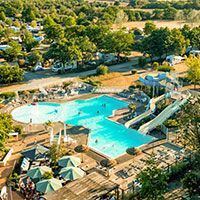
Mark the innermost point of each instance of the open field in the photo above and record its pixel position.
(158, 23)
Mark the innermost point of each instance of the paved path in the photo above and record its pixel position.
(40, 80)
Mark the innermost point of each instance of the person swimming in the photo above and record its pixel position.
(97, 112)
(80, 112)
(56, 111)
(96, 141)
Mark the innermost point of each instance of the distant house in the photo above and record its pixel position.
(4, 47)
(138, 37)
(173, 60)
(106, 57)
(195, 52)
(14, 28)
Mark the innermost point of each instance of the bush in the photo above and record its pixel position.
(7, 95)
(32, 91)
(165, 68)
(134, 71)
(102, 70)
(10, 74)
(132, 87)
(18, 129)
(132, 107)
(66, 84)
(48, 175)
(171, 123)
(142, 62)
(155, 65)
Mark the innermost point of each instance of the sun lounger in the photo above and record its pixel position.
(25, 165)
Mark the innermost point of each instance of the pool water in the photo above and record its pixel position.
(113, 138)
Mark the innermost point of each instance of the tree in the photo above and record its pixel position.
(169, 13)
(193, 73)
(149, 27)
(33, 58)
(102, 70)
(12, 53)
(2, 16)
(119, 42)
(33, 24)
(54, 32)
(29, 42)
(8, 21)
(178, 42)
(9, 74)
(152, 179)
(55, 153)
(87, 48)
(17, 24)
(121, 17)
(132, 107)
(194, 37)
(48, 21)
(48, 175)
(63, 51)
(69, 21)
(191, 183)
(188, 119)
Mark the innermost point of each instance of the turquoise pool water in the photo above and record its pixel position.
(113, 139)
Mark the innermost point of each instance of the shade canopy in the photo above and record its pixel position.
(69, 161)
(38, 172)
(133, 151)
(35, 152)
(108, 163)
(71, 173)
(48, 185)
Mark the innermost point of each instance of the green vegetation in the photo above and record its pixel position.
(165, 68)
(102, 70)
(132, 107)
(7, 95)
(10, 74)
(134, 71)
(48, 175)
(171, 123)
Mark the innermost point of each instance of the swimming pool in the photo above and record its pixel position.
(113, 139)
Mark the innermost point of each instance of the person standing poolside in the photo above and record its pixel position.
(30, 124)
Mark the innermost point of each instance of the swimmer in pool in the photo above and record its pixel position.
(97, 112)
(96, 141)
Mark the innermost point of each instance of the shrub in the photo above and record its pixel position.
(66, 84)
(48, 175)
(155, 65)
(165, 68)
(134, 71)
(33, 58)
(32, 91)
(18, 129)
(9, 74)
(132, 107)
(138, 84)
(142, 62)
(102, 69)
(171, 123)
(7, 95)
(132, 87)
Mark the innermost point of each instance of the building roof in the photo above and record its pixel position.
(89, 187)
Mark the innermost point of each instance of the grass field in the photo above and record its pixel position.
(158, 23)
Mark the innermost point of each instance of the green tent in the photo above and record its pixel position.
(69, 161)
(35, 152)
(38, 172)
(48, 185)
(71, 173)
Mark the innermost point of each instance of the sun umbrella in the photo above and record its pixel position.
(133, 151)
(38, 172)
(69, 161)
(108, 163)
(71, 173)
(82, 149)
(35, 152)
(48, 185)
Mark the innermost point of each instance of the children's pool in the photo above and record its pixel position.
(113, 139)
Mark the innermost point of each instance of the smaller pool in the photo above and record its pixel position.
(113, 139)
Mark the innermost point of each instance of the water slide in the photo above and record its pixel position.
(166, 113)
(152, 104)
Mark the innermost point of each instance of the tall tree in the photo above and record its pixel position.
(149, 27)
(63, 51)
(189, 118)
(54, 32)
(29, 42)
(193, 73)
(152, 179)
(119, 42)
(2, 16)
(12, 53)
